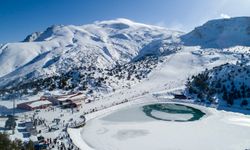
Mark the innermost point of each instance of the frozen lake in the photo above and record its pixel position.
(167, 126)
(153, 112)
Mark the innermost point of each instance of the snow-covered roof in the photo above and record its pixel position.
(72, 97)
(81, 96)
(39, 103)
(63, 99)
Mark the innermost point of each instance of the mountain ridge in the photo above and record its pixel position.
(220, 33)
(103, 44)
(107, 46)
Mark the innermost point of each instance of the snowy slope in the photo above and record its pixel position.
(102, 44)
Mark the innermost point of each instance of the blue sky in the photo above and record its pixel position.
(18, 18)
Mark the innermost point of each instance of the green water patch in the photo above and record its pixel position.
(168, 109)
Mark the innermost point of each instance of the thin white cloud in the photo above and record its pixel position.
(177, 26)
(225, 16)
(173, 25)
(161, 24)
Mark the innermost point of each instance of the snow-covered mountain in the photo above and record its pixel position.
(221, 33)
(103, 44)
(116, 54)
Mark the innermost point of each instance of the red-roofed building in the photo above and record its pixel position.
(33, 105)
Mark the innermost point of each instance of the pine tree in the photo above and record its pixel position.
(244, 103)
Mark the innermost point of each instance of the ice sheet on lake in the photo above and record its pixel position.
(131, 114)
(167, 116)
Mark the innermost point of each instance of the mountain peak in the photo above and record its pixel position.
(120, 23)
(41, 36)
(115, 24)
(117, 20)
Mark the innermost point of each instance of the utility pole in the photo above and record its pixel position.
(14, 104)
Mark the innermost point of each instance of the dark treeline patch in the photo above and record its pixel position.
(228, 82)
